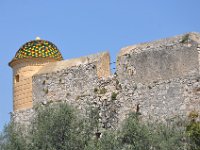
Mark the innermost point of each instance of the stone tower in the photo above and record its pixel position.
(28, 60)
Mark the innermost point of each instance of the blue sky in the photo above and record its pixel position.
(82, 27)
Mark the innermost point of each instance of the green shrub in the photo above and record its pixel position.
(93, 120)
(57, 127)
(166, 137)
(134, 135)
(140, 136)
(103, 91)
(12, 139)
(95, 90)
(193, 115)
(108, 141)
(193, 131)
(185, 38)
(114, 96)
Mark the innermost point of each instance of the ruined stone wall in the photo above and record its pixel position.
(101, 60)
(160, 80)
(159, 60)
(161, 100)
(80, 87)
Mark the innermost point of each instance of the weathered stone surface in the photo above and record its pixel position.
(102, 61)
(160, 60)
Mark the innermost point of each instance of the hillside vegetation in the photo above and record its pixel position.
(61, 127)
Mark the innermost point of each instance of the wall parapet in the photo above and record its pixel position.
(102, 61)
(160, 60)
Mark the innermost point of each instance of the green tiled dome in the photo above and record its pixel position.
(38, 49)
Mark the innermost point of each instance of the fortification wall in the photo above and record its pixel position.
(102, 61)
(161, 100)
(80, 87)
(161, 77)
(159, 60)
(160, 80)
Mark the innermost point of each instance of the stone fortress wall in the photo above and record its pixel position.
(101, 60)
(160, 80)
(161, 77)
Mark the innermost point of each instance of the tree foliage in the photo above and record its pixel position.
(193, 131)
(60, 127)
(57, 127)
(12, 139)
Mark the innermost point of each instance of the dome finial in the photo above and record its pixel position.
(37, 38)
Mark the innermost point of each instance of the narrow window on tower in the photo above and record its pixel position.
(17, 78)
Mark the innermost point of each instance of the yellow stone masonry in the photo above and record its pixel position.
(22, 83)
(23, 71)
